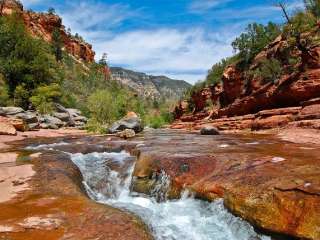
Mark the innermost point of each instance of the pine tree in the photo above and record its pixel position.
(57, 44)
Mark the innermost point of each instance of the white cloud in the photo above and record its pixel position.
(180, 54)
(199, 6)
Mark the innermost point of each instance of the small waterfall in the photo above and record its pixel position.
(107, 177)
(161, 187)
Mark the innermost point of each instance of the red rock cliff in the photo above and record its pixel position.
(237, 103)
(42, 25)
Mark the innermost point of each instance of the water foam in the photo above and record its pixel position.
(187, 218)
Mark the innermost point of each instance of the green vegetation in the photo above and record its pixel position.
(25, 62)
(270, 70)
(36, 74)
(254, 39)
(44, 97)
(300, 33)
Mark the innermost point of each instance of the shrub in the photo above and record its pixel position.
(21, 96)
(44, 98)
(269, 70)
(256, 37)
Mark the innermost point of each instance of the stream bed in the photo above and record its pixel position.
(107, 178)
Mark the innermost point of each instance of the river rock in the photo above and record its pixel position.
(28, 117)
(209, 131)
(74, 112)
(126, 134)
(63, 116)
(129, 122)
(51, 122)
(6, 128)
(4, 111)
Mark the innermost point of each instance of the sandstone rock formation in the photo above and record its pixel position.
(271, 183)
(243, 95)
(6, 127)
(42, 25)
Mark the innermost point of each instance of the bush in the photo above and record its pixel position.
(269, 70)
(21, 96)
(44, 98)
(256, 37)
(158, 120)
(313, 6)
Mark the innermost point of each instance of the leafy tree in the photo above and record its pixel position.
(57, 44)
(44, 98)
(313, 6)
(103, 61)
(51, 11)
(256, 37)
(24, 61)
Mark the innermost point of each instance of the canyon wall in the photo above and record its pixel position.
(239, 99)
(42, 25)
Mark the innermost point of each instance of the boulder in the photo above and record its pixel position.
(209, 131)
(4, 111)
(63, 116)
(28, 117)
(126, 134)
(80, 119)
(51, 122)
(128, 122)
(60, 108)
(19, 125)
(6, 128)
(74, 112)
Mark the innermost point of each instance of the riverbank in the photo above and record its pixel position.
(44, 198)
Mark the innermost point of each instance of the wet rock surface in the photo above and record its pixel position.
(273, 184)
(55, 205)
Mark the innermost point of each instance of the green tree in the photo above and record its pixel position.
(57, 44)
(24, 61)
(51, 11)
(104, 60)
(313, 6)
(254, 39)
(44, 98)
(21, 96)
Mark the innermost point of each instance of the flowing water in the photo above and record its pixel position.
(107, 178)
(186, 219)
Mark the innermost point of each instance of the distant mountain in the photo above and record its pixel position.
(148, 86)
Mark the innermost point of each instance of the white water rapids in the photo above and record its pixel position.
(184, 219)
(107, 178)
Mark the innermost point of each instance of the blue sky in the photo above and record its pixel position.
(178, 38)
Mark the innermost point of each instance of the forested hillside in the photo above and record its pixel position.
(44, 66)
